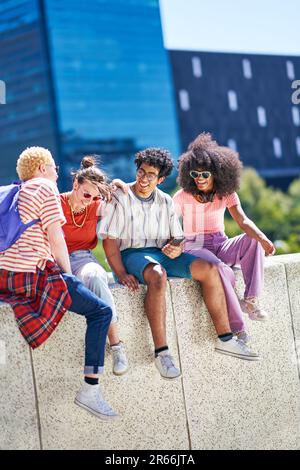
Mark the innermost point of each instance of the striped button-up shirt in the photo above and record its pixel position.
(139, 224)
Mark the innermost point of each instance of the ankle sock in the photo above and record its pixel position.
(157, 351)
(226, 337)
(91, 380)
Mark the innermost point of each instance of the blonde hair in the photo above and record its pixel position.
(30, 160)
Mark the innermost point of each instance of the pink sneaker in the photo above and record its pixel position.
(251, 306)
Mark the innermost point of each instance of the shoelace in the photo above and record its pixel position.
(168, 361)
(119, 355)
(243, 336)
(243, 346)
(100, 400)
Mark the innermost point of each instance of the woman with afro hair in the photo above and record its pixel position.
(209, 176)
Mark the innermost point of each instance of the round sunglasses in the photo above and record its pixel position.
(200, 174)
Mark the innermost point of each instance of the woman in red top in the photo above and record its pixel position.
(81, 208)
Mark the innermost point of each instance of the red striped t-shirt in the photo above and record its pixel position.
(38, 199)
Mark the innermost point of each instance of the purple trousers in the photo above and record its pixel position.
(241, 250)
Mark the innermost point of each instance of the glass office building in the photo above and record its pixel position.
(84, 78)
(28, 117)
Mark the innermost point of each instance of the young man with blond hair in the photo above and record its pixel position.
(36, 278)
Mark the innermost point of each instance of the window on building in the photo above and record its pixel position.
(184, 100)
(261, 116)
(247, 68)
(277, 147)
(232, 100)
(232, 144)
(298, 145)
(197, 67)
(290, 71)
(296, 116)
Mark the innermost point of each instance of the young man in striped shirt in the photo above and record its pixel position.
(137, 231)
(36, 278)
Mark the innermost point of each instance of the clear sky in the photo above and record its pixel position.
(242, 26)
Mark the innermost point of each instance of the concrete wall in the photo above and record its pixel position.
(219, 402)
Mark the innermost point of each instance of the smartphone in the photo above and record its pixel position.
(176, 241)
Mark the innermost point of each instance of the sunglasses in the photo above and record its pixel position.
(200, 174)
(88, 196)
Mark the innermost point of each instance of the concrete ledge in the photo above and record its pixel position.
(18, 411)
(219, 403)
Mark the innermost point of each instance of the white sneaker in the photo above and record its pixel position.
(120, 363)
(165, 364)
(236, 348)
(253, 309)
(90, 398)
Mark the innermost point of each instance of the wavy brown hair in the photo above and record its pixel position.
(89, 171)
(206, 155)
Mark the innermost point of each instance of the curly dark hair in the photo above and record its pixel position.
(157, 157)
(204, 153)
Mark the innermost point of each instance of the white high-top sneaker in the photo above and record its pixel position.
(90, 398)
(236, 348)
(120, 363)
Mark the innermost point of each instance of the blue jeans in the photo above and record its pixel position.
(98, 317)
(85, 266)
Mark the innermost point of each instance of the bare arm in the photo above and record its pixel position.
(115, 184)
(251, 229)
(58, 247)
(114, 259)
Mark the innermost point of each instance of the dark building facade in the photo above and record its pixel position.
(245, 102)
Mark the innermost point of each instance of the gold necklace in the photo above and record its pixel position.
(73, 218)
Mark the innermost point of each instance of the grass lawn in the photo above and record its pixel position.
(100, 255)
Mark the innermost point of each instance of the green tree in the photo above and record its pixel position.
(269, 208)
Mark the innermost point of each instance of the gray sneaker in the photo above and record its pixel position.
(120, 363)
(165, 364)
(236, 348)
(90, 398)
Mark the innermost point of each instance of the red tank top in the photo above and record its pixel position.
(84, 238)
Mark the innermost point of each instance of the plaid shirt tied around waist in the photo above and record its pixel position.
(39, 301)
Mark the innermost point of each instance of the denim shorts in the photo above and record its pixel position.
(135, 261)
